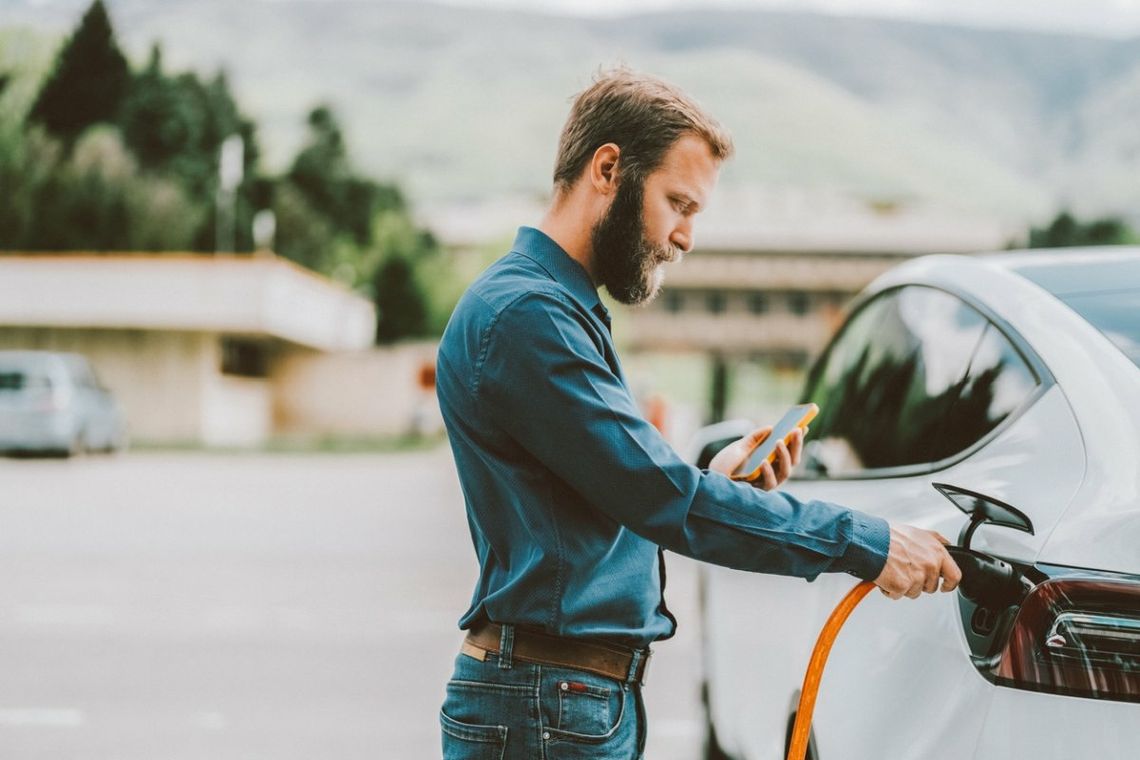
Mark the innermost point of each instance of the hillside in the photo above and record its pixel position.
(460, 103)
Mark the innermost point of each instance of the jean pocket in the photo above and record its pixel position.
(589, 708)
(466, 741)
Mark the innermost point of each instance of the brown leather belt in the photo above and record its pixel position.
(600, 658)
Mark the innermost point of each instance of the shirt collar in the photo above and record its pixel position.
(541, 248)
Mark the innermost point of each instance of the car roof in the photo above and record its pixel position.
(38, 358)
(1067, 271)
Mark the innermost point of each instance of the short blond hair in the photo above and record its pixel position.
(642, 115)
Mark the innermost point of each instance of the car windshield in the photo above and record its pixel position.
(1116, 314)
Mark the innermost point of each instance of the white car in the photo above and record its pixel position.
(1011, 382)
(52, 402)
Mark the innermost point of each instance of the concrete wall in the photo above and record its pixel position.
(367, 393)
(168, 383)
(172, 390)
(236, 411)
(157, 377)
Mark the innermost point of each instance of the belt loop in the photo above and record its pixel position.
(506, 645)
(631, 676)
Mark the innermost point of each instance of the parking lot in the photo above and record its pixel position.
(193, 605)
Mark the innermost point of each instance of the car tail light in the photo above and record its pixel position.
(1077, 633)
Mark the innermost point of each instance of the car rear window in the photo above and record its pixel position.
(1115, 313)
(18, 381)
(11, 381)
(1102, 285)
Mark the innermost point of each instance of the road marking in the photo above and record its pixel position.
(47, 717)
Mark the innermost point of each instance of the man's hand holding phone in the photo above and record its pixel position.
(765, 457)
(772, 472)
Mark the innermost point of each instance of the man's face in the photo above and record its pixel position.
(651, 223)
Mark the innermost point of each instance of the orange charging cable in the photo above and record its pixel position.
(802, 729)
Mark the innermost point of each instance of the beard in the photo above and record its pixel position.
(626, 262)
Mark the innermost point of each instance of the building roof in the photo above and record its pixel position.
(239, 294)
(767, 220)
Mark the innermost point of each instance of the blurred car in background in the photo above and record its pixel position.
(1012, 381)
(52, 403)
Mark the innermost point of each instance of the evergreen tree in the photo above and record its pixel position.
(323, 174)
(400, 303)
(1066, 231)
(88, 82)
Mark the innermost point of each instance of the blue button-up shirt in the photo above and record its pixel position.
(570, 492)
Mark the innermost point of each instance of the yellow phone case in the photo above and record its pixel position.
(809, 414)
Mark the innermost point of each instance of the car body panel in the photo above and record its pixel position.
(899, 682)
(1099, 382)
(898, 641)
(1026, 725)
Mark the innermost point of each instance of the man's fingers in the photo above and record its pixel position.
(951, 573)
(784, 461)
(767, 476)
(757, 436)
(797, 445)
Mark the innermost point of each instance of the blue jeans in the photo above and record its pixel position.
(499, 709)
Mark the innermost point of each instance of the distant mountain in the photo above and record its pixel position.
(462, 103)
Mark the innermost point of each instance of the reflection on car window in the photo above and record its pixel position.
(998, 382)
(886, 386)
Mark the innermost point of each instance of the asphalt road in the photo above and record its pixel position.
(178, 606)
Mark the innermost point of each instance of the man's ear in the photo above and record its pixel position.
(604, 168)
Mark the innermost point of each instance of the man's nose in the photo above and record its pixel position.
(682, 236)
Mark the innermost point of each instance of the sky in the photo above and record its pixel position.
(1107, 18)
(1114, 18)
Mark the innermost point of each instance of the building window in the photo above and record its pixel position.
(758, 303)
(714, 302)
(244, 358)
(798, 302)
(674, 301)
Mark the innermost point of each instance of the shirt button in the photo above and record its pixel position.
(564, 686)
(545, 734)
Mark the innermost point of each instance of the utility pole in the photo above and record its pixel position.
(229, 177)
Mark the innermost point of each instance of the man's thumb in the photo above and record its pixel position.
(757, 436)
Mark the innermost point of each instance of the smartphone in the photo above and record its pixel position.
(796, 417)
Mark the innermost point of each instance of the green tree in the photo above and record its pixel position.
(93, 200)
(1066, 231)
(400, 303)
(323, 174)
(88, 82)
(159, 122)
(175, 126)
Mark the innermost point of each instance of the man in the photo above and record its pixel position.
(571, 495)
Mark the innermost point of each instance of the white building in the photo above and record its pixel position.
(218, 350)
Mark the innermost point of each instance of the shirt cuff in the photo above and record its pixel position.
(866, 554)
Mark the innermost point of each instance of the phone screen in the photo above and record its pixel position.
(797, 416)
